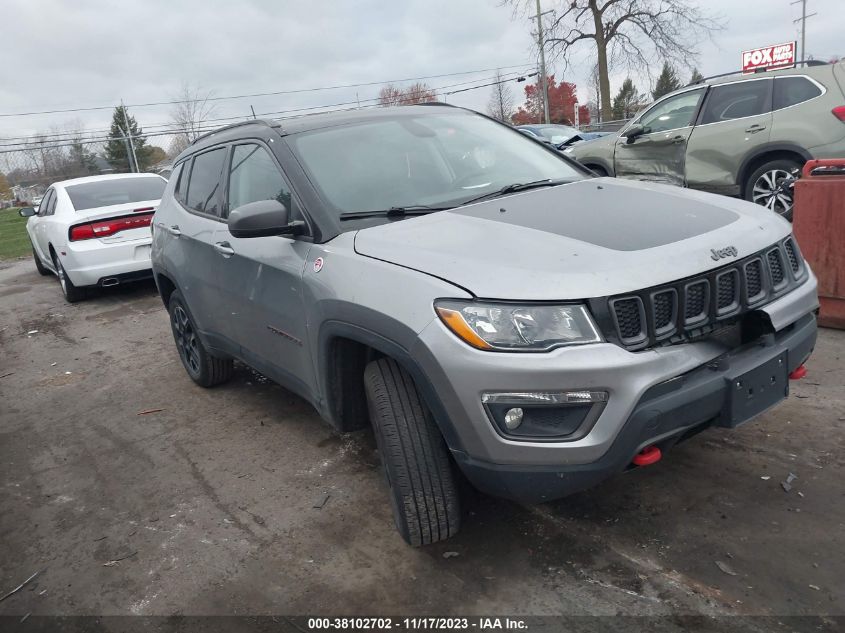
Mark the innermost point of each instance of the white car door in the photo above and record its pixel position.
(41, 240)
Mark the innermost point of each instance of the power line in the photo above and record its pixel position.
(263, 94)
(76, 137)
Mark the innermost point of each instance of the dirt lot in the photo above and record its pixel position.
(211, 501)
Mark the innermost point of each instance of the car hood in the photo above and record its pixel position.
(586, 239)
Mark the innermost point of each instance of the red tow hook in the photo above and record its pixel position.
(798, 373)
(649, 455)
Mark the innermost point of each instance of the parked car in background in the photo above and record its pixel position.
(481, 300)
(552, 133)
(740, 135)
(94, 231)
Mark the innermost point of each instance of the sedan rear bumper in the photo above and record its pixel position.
(92, 262)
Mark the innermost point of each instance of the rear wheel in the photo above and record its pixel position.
(598, 171)
(203, 368)
(768, 186)
(72, 293)
(422, 486)
(38, 265)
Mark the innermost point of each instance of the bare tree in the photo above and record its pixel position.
(189, 115)
(630, 33)
(501, 104)
(418, 92)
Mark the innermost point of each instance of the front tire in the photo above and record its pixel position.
(422, 486)
(72, 293)
(204, 369)
(765, 186)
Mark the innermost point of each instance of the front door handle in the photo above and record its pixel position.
(224, 248)
(755, 128)
(679, 139)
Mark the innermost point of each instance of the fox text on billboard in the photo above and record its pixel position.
(777, 56)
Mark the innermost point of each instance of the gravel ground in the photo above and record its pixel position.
(240, 500)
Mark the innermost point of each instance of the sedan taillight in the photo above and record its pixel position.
(839, 112)
(110, 227)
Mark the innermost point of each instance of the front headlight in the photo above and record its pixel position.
(514, 327)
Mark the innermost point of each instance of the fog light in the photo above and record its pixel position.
(513, 418)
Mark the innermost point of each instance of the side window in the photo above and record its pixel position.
(254, 176)
(180, 191)
(51, 207)
(204, 184)
(45, 203)
(672, 113)
(792, 90)
(736, 101)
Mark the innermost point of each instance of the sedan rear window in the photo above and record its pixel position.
(104, 193)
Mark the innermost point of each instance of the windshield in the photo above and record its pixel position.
(104, 193)
(438, 160)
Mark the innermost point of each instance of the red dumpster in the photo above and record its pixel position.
(819, 227)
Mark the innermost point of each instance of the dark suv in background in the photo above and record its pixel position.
(740, 135)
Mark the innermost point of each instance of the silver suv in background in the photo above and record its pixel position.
(480, 299)
(739, 135)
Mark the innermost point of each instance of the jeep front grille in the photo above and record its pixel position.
(700, 305)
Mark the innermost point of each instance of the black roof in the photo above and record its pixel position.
(260, 127)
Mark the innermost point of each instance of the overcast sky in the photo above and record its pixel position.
(61, 54)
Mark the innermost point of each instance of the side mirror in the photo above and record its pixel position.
(26, 212)
(633, 132)
(262, 219)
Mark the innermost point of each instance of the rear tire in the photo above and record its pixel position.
(762, 186)
(598, 171)
(38, 265)
(204, 369)
(422, 486)
(72, 293)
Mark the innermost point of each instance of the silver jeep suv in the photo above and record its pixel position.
(484, 302)
(739, 135)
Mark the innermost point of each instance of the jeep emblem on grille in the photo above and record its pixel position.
(728, 251)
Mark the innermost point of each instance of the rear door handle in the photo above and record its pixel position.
(173, 230)
(755, 128)
(224, 248)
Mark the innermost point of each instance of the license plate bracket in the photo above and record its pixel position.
(751, 392)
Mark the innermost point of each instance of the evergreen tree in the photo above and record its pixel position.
(115, 151)
(696, 76)
(626, 103)
(667, 82)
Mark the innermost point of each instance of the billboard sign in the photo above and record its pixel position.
(769, 57)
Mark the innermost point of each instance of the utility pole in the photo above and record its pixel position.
(543, 77)
(133, 159)
(128, 149)
(803, 21)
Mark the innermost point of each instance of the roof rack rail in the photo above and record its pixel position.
(806, 62)
(234, 125)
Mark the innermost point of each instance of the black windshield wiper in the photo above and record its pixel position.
(392, 212)
(513, 188)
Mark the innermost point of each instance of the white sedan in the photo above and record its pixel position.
(95, 231)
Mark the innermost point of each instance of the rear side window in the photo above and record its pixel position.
(254, 176)
(104, 193)
(204, 185)
(736, 101)
(45, 203)
(792, 90)
(180, 192)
